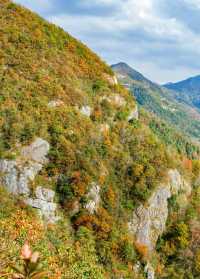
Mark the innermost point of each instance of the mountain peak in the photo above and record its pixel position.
(124, 69)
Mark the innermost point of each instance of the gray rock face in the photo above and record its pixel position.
(17, 174)
(44, 203)
(93, 198)
(148, 221)
(37, 151)
(16, 177)
(177, 183)
(134, 114)
(44, 194)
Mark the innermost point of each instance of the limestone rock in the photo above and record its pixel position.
(9, 175)
(17, 174)
(55, 103)
(148, 221)
(44, 203)
(175, 181)
(44, 194)
(37, 151)
(93, 198)
(178, 183)
(134, 114)
(86, 110)
(16, 177)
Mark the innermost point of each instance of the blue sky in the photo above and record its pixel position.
(160, 38)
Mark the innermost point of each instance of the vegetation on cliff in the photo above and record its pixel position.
(54, 87)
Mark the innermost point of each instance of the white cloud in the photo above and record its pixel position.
(193, 3)
(90, 3)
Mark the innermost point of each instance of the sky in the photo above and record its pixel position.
(159, 38)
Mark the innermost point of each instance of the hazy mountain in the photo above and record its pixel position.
(126, 70)
(187, 91)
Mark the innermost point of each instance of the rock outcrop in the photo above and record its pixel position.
(55, 103)
(134, 114)
(17, 174)
(111, 79)
(37, 151)
(148, 221)
(86, 110)
(116, 100)
(149, 271)
(44, 202)
(93, 198)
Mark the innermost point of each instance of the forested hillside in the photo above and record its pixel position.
(84, 180)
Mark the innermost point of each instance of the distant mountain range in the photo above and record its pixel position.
(187, 91)
(163, 103)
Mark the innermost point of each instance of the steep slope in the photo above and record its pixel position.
(77, 166)
(59, 97)
(187, 91)
(161, 102)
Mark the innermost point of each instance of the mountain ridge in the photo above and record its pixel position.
(160, 101)
(187, 90)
